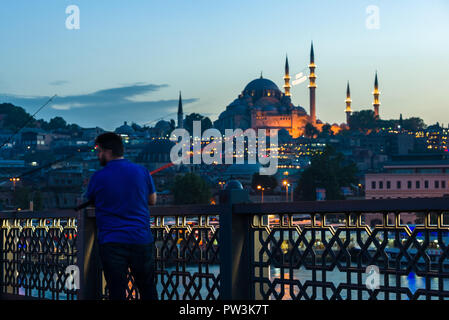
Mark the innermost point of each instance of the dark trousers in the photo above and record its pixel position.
(117, 257)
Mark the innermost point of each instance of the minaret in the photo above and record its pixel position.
(180, 113)
(287, 79)
(312, 86)
(376, 94)
(348, 104)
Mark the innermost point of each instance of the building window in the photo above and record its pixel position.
(426, 184)
(437, 184)
(381, 184)
(418, 184)
(388, 184)
(373, 184)
(409, 184)
(443, 184)
(398, 184)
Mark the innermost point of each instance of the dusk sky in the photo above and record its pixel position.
(129, 59)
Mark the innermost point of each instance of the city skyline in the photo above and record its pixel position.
(128, 63)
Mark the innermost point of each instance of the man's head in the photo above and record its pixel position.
(109, 147)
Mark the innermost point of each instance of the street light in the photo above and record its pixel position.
(14, 180)
(286, 184)
(259, 187)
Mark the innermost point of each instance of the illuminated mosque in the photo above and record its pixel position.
(262, 105)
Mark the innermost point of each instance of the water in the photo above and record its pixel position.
(412, 282)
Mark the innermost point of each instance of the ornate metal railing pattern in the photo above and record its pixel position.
(187, 259)
(307, 257)
(186, 254)
(39, 257)
(301, 250)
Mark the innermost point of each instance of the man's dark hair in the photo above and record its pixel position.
(111, 141)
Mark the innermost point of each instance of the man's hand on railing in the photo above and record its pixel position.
(84, 205)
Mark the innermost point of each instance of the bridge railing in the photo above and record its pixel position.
(321, 250)
(298, 250)
(39, 253)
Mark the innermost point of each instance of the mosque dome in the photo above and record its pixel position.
(124, 129)
(158, 150)
(261, 84)
(262, 88)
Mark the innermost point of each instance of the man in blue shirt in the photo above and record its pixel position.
(122, 192)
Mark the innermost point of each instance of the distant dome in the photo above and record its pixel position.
(158, 150)
(260, 84)
(124, 129)
(234, 184)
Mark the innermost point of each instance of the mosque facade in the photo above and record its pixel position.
(262, 105)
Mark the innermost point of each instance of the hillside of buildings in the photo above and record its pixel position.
(50, 162)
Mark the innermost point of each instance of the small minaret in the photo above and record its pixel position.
(348, 104)
(312, 86)
(287, 79)
(376, 94)
(180, 113)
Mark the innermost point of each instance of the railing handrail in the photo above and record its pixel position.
(40, 214)
(328, 206)
(299, 207)
(345, 206)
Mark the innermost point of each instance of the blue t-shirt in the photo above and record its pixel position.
(120, 191)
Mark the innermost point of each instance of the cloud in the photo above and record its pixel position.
(106, 108)
(58, 82)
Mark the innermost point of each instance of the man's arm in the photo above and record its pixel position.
(152, 199)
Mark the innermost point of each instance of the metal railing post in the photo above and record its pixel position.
(88, 260)
(235, 250)
(2, 289)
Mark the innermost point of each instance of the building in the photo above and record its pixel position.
(262, 105)
(415, 176)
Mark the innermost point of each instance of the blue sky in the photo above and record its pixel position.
(128, 60)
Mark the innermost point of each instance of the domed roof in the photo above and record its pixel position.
(234, 184)
(157, 150)
(267, 101)
(124, 129)
(261, 84)
(162, 124)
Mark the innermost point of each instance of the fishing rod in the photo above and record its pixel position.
(166, 166)
(27, 121)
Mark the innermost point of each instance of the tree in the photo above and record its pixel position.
(57, 123)
(190, 188)
(15, 117)
(206, 123)
(22, 197)
(310, 130)
(326, 131)
(363, 121)
(328, 170)
(413, 124)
